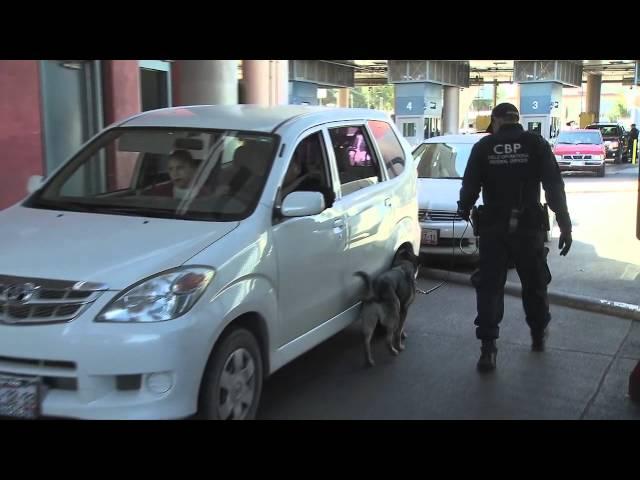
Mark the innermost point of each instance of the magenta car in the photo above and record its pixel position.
(580, 150)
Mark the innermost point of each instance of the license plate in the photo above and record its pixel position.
(577, 164)
(430, 236)
(20, 396)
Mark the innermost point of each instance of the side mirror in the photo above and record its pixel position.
(302, 204)
(34, 183)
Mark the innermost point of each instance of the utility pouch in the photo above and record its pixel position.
(514, 219)
(545, 218)
(475, 221)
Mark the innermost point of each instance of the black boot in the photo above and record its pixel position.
(488, 353)
(538, 340)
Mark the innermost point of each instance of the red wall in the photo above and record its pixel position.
(121, 100)
(20, 128)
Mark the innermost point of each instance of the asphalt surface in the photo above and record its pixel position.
(583, 374)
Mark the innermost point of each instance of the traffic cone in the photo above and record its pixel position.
(634, 384)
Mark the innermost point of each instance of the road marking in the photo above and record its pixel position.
(625, 306)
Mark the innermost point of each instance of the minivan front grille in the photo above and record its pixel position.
(576, 157)
(29, 301)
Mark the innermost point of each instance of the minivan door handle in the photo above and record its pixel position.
(338, 228)
(387, 201)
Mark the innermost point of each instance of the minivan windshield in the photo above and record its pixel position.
(579, 138)
(442, 160)
(189, 174)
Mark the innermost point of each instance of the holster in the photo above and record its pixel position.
(545, 218)
(475, 221)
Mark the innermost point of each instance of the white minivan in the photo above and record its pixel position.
(184, 254)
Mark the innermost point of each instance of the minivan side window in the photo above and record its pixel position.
(357, 164)
(308, 170)
(390, 148)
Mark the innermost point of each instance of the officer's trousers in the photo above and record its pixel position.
(528, 252)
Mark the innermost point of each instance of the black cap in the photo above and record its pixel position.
(505, 110)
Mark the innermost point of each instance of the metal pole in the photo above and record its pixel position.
(635, 151)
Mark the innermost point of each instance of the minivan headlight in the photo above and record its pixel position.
(157, 299)
(558, 158)
(598, 157)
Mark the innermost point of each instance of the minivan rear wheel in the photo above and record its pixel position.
(232, 382)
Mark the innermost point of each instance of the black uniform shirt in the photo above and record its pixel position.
(508, 166)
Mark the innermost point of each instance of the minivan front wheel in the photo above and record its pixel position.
(232, 382)
(617, 159)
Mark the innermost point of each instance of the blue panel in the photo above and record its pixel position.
(533, 89)
(423, 98)
(304, 89)
(410, 89)
(535, 105)
(303, 93)
(413, 105)
(540, 98)
(433, 90)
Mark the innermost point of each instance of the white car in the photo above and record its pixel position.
(126, 293)
(441, 162)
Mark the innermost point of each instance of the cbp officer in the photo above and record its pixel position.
(508, 166)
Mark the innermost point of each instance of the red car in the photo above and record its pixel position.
(580, 150)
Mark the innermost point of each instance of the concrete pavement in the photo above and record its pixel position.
(582, 375)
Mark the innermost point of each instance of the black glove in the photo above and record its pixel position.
(463, 213)
(565, 242)
(564, 222)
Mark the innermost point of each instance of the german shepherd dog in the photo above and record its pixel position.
(380, 305)
(401, 278)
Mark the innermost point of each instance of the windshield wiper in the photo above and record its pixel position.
(137, 211)
(66, 206)
(159, 213)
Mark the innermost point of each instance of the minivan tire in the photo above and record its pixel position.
(600, 171)
(238, 358)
